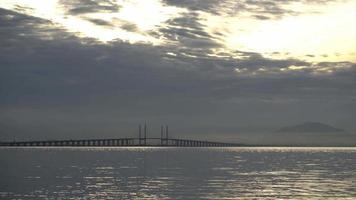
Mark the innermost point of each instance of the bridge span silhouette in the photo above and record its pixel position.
(141, 140)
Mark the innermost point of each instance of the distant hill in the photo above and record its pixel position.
(310, 127)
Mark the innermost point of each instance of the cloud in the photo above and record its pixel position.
(79, 7)
(258, 9)
(101, 22)
(265, 67)
(188, 32)
(69, 85)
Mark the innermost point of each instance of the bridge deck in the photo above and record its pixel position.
(154, 141)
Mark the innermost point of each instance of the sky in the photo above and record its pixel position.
(210, 69)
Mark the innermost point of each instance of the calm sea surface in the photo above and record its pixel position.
(177, 173)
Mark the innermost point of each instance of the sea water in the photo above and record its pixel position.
(177, 173)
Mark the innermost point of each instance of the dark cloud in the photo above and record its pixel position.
(189, 32)
(129, 27)
(261, 17)
(125, 25)
(77, 7)
(100, 22)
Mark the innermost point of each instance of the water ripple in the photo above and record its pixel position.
(174, 173)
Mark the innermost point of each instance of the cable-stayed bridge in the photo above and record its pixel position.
(141, 140)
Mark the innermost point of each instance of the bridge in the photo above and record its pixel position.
(141, 140)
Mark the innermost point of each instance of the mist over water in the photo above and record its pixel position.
(177, 173)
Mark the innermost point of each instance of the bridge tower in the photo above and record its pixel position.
(139, 134)
(166, 135)
(161, 135)
(145, 135)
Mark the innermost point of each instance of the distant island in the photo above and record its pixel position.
(310, 127)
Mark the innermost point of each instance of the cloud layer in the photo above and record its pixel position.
(55, 83)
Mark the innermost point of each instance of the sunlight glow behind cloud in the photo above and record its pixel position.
(327, 35)
(311, 31)
(144, 15)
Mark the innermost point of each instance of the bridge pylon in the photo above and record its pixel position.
(145, 135)
(139, 134)
(161, 140)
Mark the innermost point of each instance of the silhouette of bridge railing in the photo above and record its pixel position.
(142, 140)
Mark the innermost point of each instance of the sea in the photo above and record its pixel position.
(177, 173)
